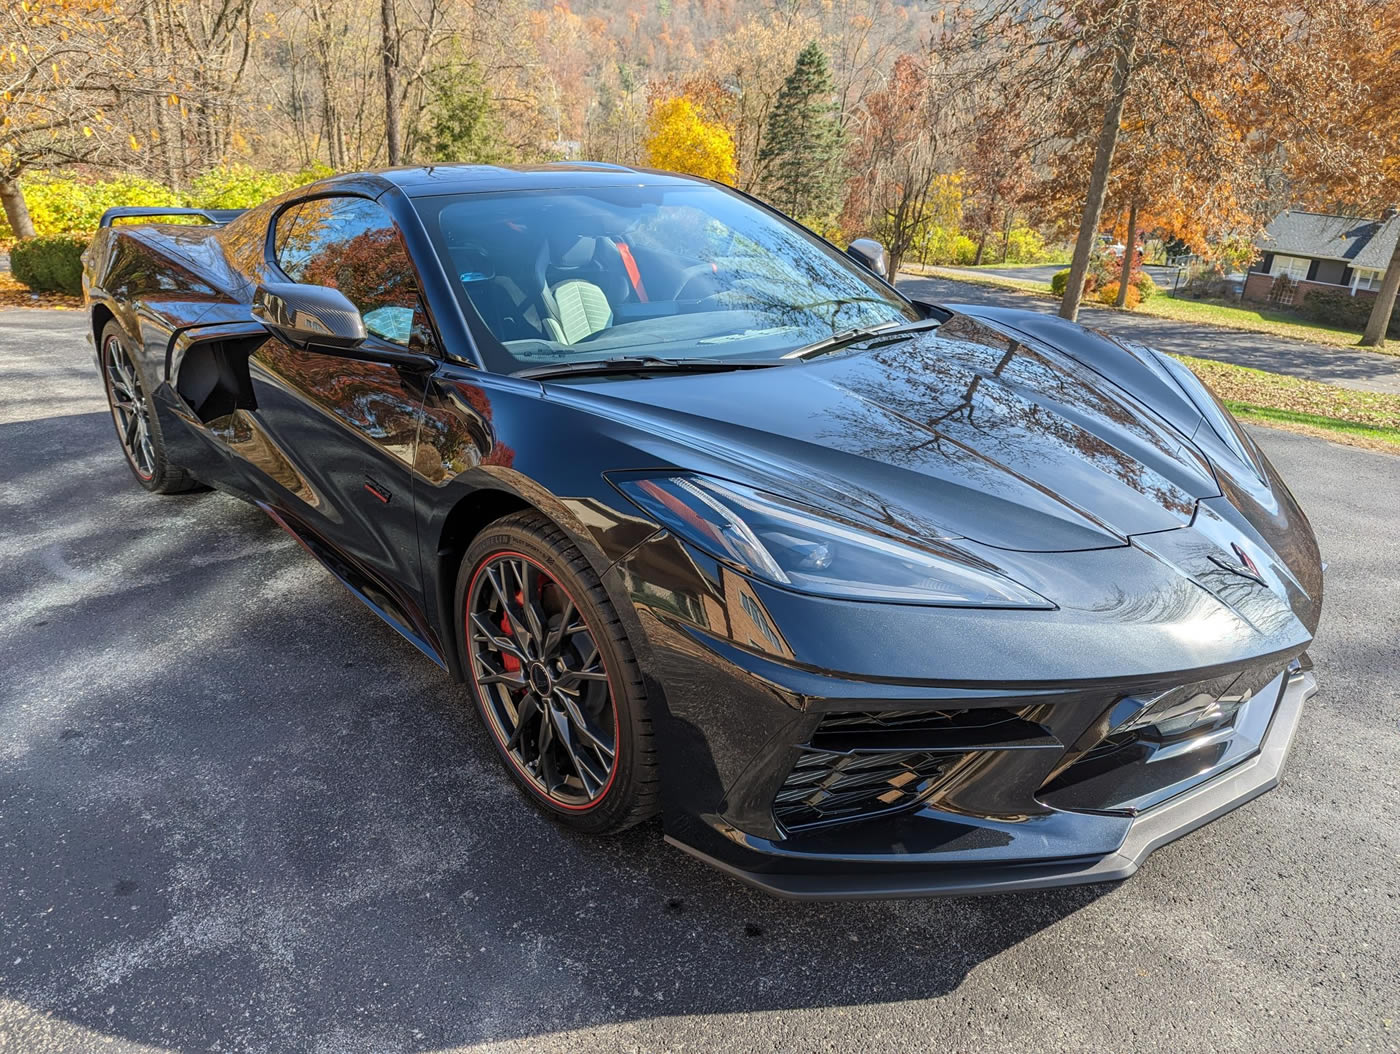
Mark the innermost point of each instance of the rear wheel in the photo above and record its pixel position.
(554, 676)
(134, 414)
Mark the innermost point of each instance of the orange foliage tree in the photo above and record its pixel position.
(1211, 85)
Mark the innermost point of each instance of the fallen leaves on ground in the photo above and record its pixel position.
(1259, 388)
(13, 294)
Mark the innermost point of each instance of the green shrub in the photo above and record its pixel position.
(63, 205)
(242, 186)
(1060, 282)
(1146, 287)
(1343, 310)
(1025, 246)
(51, 264)
(60, 205)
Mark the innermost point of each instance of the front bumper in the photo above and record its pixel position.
(852, 874)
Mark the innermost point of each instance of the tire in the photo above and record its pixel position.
(565, 779)
(134, 415)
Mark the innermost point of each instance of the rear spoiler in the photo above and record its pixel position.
(218, 217)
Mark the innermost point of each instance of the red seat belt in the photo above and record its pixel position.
(630, 263)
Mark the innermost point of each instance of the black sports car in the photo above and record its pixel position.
(866, 597)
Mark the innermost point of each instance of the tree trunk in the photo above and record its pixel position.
(894, 263)
(1376, 325)
(1103, 162)
(981, 246)
(16, 211)
(1129, 255)
(160, 109)
(392, 134)
(1006, 234)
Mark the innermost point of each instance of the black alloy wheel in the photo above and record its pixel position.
(134, 415)
(129, 411)
(554, 676)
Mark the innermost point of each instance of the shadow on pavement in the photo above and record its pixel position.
(237, 809)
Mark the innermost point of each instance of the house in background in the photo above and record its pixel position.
(1315, 250)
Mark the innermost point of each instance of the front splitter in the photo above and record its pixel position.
(1150, 831)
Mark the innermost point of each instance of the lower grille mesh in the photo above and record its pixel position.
(825, 786)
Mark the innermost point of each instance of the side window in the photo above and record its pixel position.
(351, 245)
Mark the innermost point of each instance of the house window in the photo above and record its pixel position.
(1295, 267)
(1368, 279)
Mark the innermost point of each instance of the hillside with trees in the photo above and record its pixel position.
(963, 134)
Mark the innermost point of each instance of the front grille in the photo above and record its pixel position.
(865, 763)
(825, 787)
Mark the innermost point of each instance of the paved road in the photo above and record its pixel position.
(1369, 371)
(238, 813)
(1163, 276)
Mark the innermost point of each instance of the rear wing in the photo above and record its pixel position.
(218, 217)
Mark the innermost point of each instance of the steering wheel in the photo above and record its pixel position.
(689, 275)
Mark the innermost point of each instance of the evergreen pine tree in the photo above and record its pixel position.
(803, 141)
(463, 122)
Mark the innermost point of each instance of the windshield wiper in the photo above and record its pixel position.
(640, 364)
(853, 336)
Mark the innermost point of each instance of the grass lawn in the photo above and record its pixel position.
(1344, 415)
(1249, 319)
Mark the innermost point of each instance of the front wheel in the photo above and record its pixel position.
(134, 414)
(554, 676)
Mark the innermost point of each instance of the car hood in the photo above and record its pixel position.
(959, 432)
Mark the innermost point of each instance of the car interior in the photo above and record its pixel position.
(583, 276)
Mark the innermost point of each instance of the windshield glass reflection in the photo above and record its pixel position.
(551, 277)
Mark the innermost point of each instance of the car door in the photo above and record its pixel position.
(338, 434)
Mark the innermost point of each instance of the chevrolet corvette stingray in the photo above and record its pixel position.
(863, 596)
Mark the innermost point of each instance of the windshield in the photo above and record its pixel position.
(690, 271)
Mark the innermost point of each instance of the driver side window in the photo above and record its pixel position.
(350, 244)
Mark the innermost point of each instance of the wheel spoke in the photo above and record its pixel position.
(560, 629)
(501, 644)
(528, 577)
(585, 730)
(529, 707)
(564, 734)
(518, 627)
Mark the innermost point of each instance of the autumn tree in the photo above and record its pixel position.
(998, 177)
(803, 141)
(753, 62)
(681, 139)
(59, 86)
(1360, 174)
(1219, 82)
(894, 162)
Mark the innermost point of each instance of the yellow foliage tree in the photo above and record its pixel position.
(680, 139)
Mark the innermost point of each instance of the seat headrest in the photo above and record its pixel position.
(571, 250)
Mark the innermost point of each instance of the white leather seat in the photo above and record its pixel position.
(579, 310)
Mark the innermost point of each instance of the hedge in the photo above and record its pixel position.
(1344, 310)
(50, 265)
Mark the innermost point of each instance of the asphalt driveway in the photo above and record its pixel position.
(238, 813)
(1367, 370)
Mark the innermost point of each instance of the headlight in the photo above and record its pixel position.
(797, 547)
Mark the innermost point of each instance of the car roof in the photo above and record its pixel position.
(454, 178)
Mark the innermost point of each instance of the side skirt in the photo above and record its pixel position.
(363, 590)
